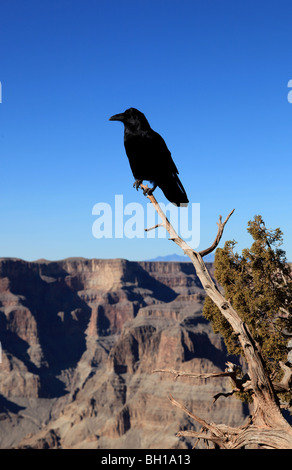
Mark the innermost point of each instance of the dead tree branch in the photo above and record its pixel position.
(178, 373)
(218, 236)
(268, 426)
(239, 384)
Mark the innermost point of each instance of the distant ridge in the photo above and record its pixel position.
(180, 259)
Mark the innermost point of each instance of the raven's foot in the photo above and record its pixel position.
(137, 184)
(149, 191)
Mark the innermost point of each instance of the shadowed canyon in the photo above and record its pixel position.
(80, 339)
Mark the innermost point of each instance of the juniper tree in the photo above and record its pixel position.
(258, 284)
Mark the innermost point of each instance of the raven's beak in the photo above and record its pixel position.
(117, 117)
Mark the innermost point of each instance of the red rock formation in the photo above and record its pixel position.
(80, 339)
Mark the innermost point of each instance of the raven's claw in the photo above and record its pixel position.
(148, 191)
(137, 184)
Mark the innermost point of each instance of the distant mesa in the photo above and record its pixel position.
(180, 259)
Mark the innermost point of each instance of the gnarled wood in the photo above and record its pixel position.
(267, 426)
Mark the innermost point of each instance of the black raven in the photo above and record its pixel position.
(149, 157)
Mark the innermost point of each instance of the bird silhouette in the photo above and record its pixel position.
(149, 157)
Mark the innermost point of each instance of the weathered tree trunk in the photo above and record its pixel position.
(266, 427)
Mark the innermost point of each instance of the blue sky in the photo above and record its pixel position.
(211, 77)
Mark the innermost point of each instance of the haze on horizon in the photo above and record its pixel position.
(211, 77)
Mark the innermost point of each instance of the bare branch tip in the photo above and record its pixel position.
(151, 228)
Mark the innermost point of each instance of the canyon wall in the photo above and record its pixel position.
(80, 339)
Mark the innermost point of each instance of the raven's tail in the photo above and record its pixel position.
(173, 190)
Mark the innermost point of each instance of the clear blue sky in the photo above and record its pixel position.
(211, 77)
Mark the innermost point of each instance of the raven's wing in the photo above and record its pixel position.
(167, 173)
(162, 156)
(151, 160)
(148, 155)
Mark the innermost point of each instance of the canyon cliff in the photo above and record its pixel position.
(79, 341)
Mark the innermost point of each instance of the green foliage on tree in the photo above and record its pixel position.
(259, 286)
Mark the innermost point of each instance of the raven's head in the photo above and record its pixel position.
(132, 118)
